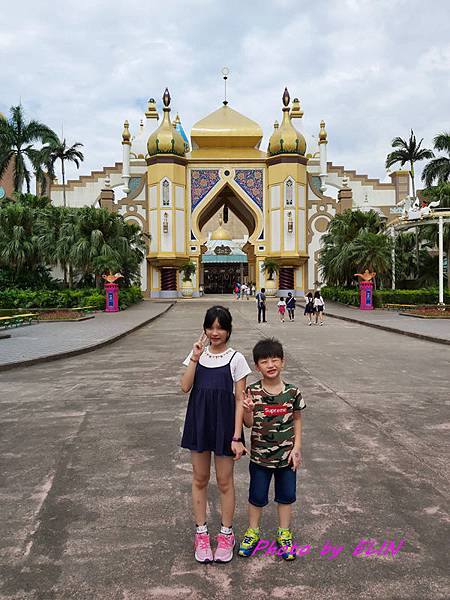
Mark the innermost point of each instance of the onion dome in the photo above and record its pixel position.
(166, 139)
(296, 110)
(286, 139)
(322, 134)
(126, 135)
(221, 233)
(226, 128)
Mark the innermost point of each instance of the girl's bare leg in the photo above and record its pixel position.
(224, 476)
(201, 465)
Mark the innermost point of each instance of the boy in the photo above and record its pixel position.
(272, 408)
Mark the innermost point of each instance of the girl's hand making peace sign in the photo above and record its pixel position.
(247, 401)
(199, 346)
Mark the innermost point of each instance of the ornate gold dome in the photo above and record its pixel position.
(221, 233)
(286, 139)
(165, 139)
(226, 127)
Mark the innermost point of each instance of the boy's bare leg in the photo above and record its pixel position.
(224, 476)
(284, 515)
(254, 516)
(201, 464)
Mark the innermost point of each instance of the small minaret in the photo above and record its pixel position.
(126, 143)
(323, 156)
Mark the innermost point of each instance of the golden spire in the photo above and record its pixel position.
(151, 112)
(296, 111)
(221, 233)
(286, 139)
(322, 134)
(166, 139)
(276, 124)
(126, 135)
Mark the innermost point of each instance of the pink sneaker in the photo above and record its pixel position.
(202, 547)
(225, 546)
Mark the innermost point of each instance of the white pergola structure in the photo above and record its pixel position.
(438, 217)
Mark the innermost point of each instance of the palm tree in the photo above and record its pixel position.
(54, 150)
(438, 168)
(372, 251)
(408, 152)
(19, 247)
(337, 256)
(16, 145)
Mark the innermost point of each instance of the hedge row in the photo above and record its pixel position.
(14, 298)
(382, 297)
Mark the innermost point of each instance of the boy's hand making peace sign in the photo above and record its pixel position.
(199, 346)
(247, 401)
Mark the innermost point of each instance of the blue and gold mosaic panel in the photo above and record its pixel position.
(202, 181)
(251, 181)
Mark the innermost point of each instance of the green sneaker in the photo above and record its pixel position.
(248, 544)
(284, 539)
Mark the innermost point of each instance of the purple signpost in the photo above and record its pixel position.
(366, 295)
(112, 297)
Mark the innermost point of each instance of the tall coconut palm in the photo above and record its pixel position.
(53, 151)
(438, 168)
(17, 137)
(408, 152)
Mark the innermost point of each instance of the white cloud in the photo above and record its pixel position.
(372, 70)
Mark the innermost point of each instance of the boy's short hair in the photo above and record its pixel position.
(267, 348)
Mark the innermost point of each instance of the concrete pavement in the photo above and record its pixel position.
(95, 491)
(41, 342)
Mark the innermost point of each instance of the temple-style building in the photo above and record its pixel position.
(221, 201)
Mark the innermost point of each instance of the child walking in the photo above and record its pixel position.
(272, 408)
(216, 377)
(281, 308)
(319, 307)
(290, 305)
(309, 307)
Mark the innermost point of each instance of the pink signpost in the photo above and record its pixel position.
(366, 295)
(112, 297)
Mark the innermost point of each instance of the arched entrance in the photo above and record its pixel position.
(226, 259)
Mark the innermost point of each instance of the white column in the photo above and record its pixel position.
(126, 167)
(441, 260)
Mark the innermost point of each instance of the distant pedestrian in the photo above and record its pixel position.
(237, 289)
(309, 307)
(290, 305)
(281, 308)
(319, 307)
(261, 301)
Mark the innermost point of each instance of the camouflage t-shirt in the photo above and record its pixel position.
(273, 435)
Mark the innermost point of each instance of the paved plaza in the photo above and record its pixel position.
(95, 491)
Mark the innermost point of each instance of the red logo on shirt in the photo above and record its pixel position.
(275, 410)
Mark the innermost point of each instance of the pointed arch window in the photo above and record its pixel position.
(289, 192)
(165, 193)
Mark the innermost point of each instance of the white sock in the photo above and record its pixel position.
(226, 530)
(202, 528)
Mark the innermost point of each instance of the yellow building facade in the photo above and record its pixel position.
(283, 197)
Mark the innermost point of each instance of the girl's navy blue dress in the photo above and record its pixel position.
(209, 423)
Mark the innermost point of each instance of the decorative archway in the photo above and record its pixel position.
(231, 195)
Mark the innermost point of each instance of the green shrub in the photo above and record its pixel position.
(382, 297)
(68, 298)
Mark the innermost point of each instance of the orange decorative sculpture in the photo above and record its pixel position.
(366, 276)
(112, 278)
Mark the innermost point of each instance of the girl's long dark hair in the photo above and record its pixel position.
(223, 316)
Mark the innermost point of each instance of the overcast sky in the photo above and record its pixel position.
(372, 69)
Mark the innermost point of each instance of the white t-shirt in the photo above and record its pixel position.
(239, 366)
(281, 303)
(319, 302)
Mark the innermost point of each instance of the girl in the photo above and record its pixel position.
(290, 305)
(309, 307)
(214, 424)
(319, 307)
(281, 309)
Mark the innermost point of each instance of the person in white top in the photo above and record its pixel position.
(245, 290)
(281, 309)
(216, 378)
(319, 307)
